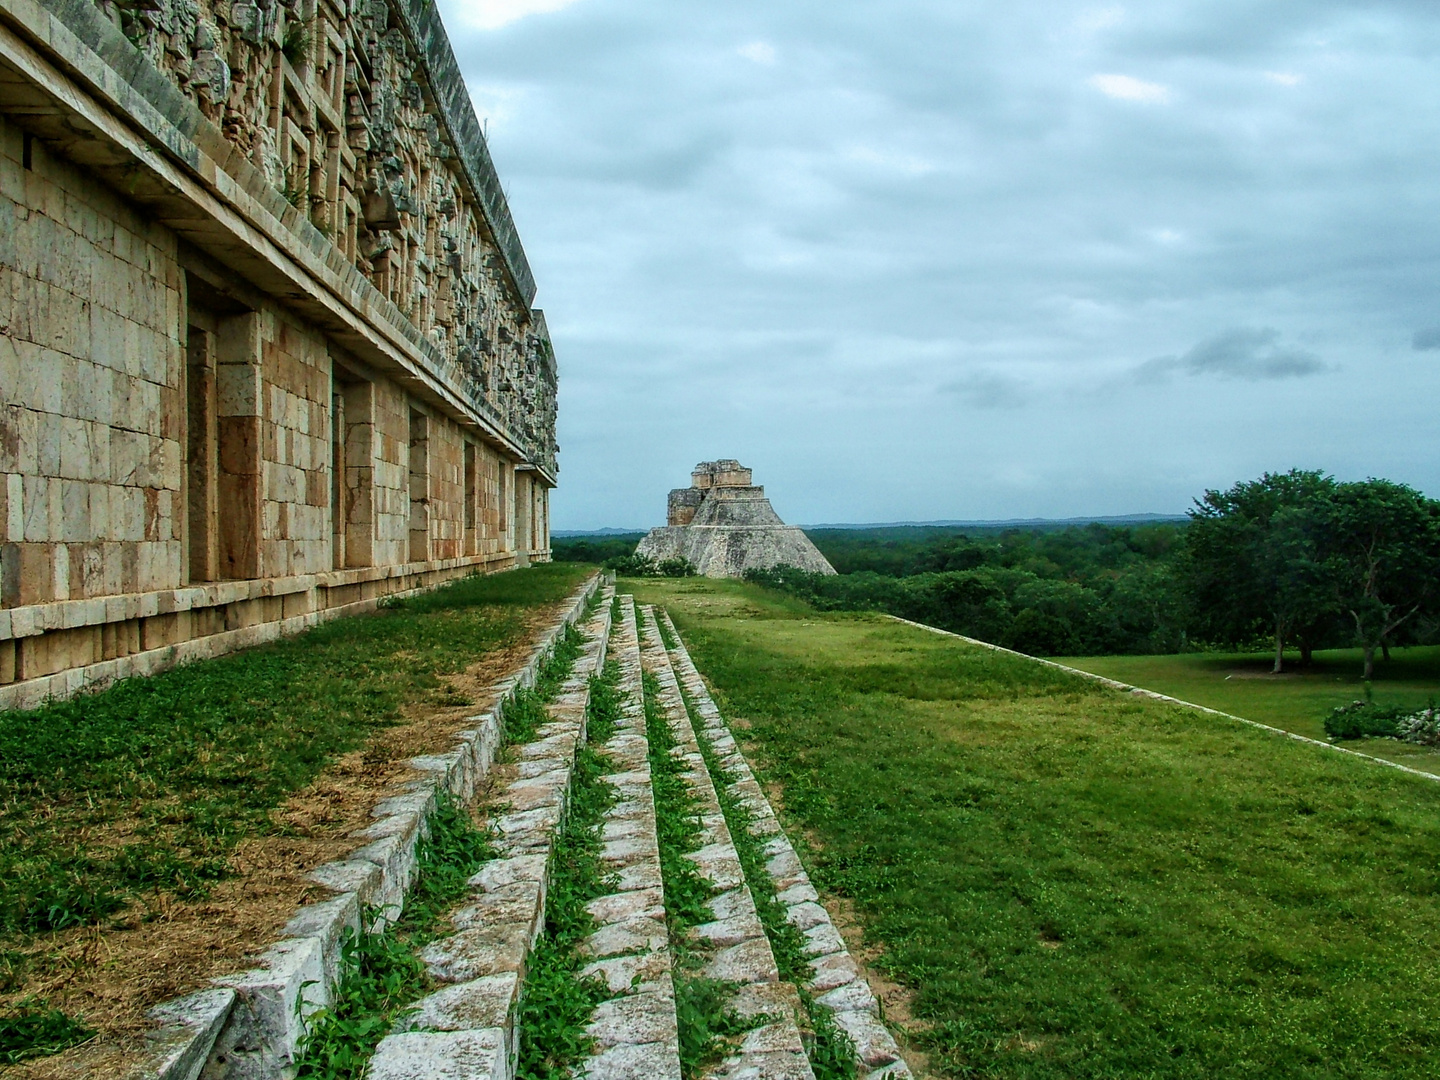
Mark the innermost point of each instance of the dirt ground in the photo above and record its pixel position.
(165, 947)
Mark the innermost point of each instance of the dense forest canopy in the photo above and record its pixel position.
(1293, 559)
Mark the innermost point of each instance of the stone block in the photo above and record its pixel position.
(519, 903)
(498, 873)
(487, 1002)
(186, 1033)
(264, 1026)
(650, 1061)
(634, 973)
(719, 865)
(621, 906)
(806, 915)
(874, 1045)
(749, 962)
(472, 954)
(634, 1018)
(441, 1055)
(723, 933)
(850, 997)
(774, 1065)
(822, 940)
(631, 936)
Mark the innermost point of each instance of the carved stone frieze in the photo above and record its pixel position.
(336, 105)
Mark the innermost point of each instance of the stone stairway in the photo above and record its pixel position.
(635, 1032)
(733, 946)
(469, 1027)
(836, 983)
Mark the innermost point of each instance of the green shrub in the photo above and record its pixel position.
(1361, 719)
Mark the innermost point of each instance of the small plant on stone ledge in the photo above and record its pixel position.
(295, 189)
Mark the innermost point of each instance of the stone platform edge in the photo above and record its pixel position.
(255, 1019)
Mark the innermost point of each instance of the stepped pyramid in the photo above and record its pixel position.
(724, 525)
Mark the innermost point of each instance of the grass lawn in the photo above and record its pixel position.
(1296, 700)
(1077, 883)
(141, 792)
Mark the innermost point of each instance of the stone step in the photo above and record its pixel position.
(734, 945)
(837, 982)
(249, 1024)
(468, 1028)
(635, 1032)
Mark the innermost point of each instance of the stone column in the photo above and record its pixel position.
(239, 407)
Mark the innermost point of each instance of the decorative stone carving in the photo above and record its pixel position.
(332, 101)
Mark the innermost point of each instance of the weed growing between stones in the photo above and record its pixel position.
(33, 1029)
(557, 1003)
(701, 1005)
(705, 1020)
(677, 821)
(525, 711)
(381, 971)
(831, 1053)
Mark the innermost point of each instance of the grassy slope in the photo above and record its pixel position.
(1080, 884)
(151, 783)
(1296, 701)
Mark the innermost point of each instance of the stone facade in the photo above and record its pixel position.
(724, 525)
(267, 349)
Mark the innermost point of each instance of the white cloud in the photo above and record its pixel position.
(1101, 18)
(1128, 88)
(493, 14)
(1285, 78)
(761, 52)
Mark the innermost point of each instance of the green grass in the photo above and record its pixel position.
(382, 973)
(185, 764)
(1297, 700)
(557, 1003)
(32, 1029)
(1077, 883)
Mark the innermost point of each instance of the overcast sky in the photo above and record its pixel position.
(922, 259)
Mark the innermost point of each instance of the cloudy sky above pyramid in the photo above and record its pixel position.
(921, 259)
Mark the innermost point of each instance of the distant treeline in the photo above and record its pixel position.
(594, 549)
(1079, 590)
(1293, 559)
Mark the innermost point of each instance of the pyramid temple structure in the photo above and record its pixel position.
(724, 525)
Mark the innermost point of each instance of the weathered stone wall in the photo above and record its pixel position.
(266, 345)
(295, 449)
(90, 298)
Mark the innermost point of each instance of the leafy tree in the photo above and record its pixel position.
(1384, 557)
(1255, 557)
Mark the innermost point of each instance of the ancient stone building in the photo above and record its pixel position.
(267, 350)
(724, 525)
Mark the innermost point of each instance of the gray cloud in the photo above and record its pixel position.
(987, 390)
(782, 260)
(1240, 353)
(1426, 339)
